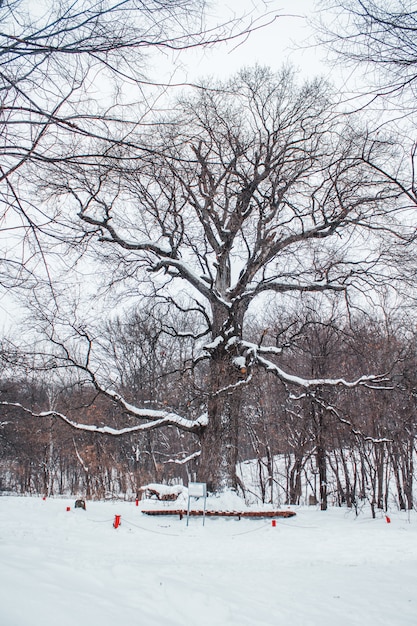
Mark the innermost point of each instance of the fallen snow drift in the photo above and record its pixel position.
(318, 568)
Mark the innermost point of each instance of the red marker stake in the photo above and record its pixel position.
(117, 521)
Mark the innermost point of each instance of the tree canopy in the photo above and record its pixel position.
(251, 190)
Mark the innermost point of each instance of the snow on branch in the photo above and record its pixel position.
(79, 457)
(157, 420)
(253, 347)
(157, 415)
(166, 257)
(234, 386)
(253, 353)
(185, 460)
(355, 431)
(308, 383)
(279, 287)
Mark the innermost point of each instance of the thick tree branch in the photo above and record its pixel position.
(157, 419)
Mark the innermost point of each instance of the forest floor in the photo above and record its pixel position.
(73, 568)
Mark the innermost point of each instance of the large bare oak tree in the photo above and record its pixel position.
(252, 190)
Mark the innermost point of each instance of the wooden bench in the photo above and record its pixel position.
(239, 514)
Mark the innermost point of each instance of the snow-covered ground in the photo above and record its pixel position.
(70, 568)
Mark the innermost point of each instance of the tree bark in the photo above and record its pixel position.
(219, 441)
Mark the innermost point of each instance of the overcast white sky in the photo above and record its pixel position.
(284, 39)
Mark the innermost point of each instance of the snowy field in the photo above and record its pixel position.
(70, 568)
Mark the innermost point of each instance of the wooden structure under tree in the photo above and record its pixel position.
(239, 514)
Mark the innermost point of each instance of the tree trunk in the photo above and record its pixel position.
(321, 459)
(219, 441)
(321, 451)
(408, 473)
(294, 492)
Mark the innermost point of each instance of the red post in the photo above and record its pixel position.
(388, 519)
(68, 508)
(117, 521)
(274, 523)
(137, 502)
